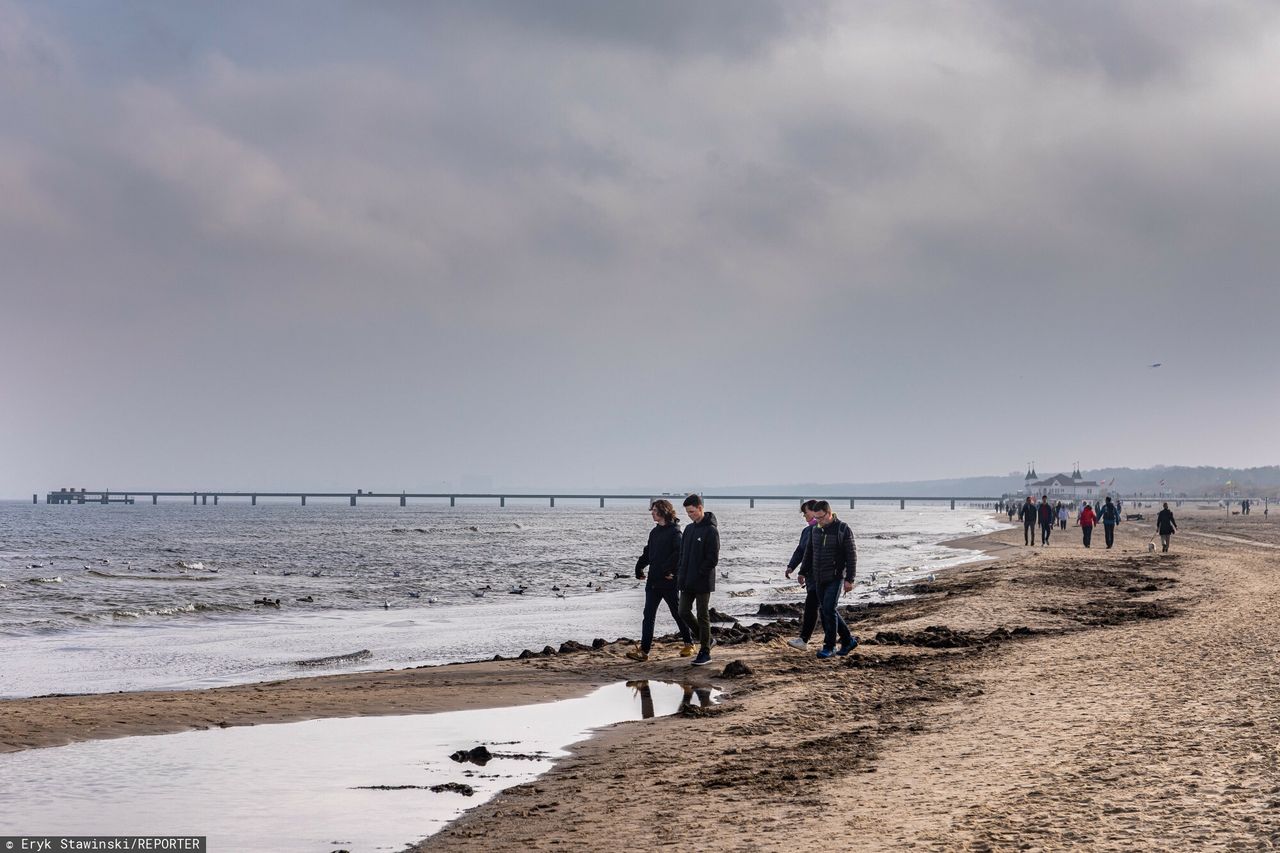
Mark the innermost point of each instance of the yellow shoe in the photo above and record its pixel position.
(636, 654)
(687, 651)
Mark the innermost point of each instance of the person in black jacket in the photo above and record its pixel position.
(830, 557)
(1165, 526)
(1048, 518)
(662, 556)
(696, 577)
(810, 618)
(1110, 517)
(1027, 514)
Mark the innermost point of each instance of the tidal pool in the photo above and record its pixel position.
(359, 783)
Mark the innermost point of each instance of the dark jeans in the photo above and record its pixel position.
(653, 596)
(828, 595)
(1045, 530)
(1062, 523)
(1028, 533)
(810, 618)
(703, 600)
(1088, 533)
(1109, 530)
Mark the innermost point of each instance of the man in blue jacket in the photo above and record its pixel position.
(1110, 517)
(696, 577)
(829, 557)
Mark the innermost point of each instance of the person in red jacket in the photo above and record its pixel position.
(1087, 519)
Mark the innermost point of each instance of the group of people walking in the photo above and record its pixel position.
(682, 566)
(682, 573)
(1047, 516)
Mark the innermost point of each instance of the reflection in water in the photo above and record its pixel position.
(646, 698)
(703, 694)
(645, 694)
(377, 783)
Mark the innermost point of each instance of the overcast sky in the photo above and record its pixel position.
(662, 244)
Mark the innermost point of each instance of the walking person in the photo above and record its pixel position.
(1166, 527)
(1047, 517)
(662, 556)
(1063, 514)
(1027, 513)
(829, 563)
(1110, 517)
(1086, 519)
(696, 576)
(810, 617)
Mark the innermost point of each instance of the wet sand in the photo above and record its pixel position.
(1051, 699)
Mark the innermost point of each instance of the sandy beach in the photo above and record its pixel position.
(1050, 698)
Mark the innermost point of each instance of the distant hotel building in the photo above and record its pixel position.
(1060, 487)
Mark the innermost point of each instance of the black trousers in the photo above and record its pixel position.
(653, 597)
(1028, 533)
(1109, 530)
(1088, 533)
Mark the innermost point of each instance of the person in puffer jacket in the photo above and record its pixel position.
(830, 561)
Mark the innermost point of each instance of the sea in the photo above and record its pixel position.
(99, 598)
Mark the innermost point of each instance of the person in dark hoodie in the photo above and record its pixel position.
(829, 563)
(662, 556)
(1048, 518)
(1165, 526)
(696, 577)
(1027, 514)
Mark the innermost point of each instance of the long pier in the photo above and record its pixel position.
(83, 496)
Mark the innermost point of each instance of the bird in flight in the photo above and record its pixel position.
(1157, 364)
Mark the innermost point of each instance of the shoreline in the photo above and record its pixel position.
(58, 719)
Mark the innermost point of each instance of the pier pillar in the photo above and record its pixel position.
(502, 501)
(602, 503)
(194, 499)
(253, 500)
(850, 503)
(402, 500)
(304, 500)
(553, 501)
(453, 501)
(902, 504)
(35, 499)
(353, 500)
(953, 504)
(215, 500)
(204, 500)
(753, 504)
(155, 499)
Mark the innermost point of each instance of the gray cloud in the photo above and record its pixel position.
(624, 243)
